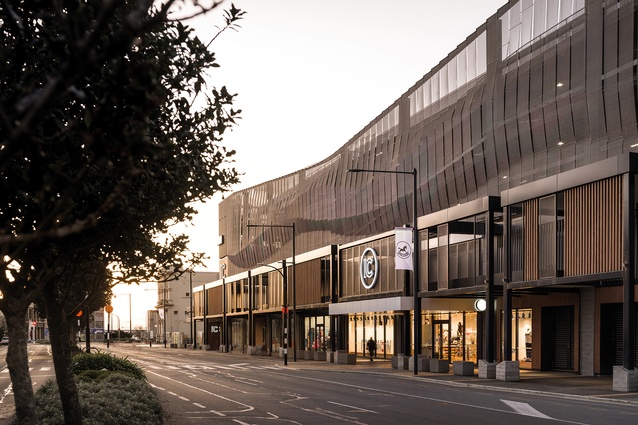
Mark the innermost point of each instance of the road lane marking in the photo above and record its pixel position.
(182, 398)
(420, 397)
(6, 393)
(525, 409)
(199, 405)
(245, 407)
(360, 409)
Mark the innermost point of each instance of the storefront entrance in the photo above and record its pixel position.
(441, 338)
(451, 336)
(557, 338)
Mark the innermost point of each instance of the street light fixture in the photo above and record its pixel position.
(284, 310)
(294, 279)
(415, 257)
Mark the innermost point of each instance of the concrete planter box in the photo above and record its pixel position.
(256, 350)
(422, 366)
(343, 357)
(439, 366)
(508, 371)
(400, 362)
(487, 370)
(463, 368)
(307, 355)
(625, 380)
(173, 345)
(331, 356)
(319, 355)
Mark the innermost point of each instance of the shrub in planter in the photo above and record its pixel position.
(115, 399)
(106, 361)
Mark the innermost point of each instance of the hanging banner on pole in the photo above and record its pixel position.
(403, 248)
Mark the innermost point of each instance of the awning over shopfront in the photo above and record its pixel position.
(402, 304)
(370, 306)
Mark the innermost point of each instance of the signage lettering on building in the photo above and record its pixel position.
(369, 268)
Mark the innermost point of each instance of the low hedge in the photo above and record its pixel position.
(106, 361)
(115, 399)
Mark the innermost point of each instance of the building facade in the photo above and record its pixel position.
(171, 321)
(524, 142)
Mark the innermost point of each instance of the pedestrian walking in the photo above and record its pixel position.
(372, 348)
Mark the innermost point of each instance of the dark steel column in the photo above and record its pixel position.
(204, 321)
(284, 311)
(629, 306)
(507, 292)
(225, 308)
(294, 296)
(251, 306)
(415, 275)
(334, 295)
(489, 328)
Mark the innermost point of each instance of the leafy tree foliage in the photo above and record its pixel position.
(109, 132)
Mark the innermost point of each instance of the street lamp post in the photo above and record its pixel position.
(294, 280)
(415, 257)
(190, 273)
(284, 310)
(164, 307)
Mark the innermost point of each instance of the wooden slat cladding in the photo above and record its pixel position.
(593, 228)
(308, 282)
(530, 239)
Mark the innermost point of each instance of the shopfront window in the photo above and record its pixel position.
(276, 330)
(317, 329)
(379, 326)
(522, 336)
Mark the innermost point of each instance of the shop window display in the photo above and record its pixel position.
(379, 326)
(522, 335)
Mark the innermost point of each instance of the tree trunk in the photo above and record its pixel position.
(15, 312)
(62, 359)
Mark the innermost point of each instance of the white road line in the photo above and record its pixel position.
(525, 409)
(361, 409)
(240, 422)
(171, 393)
(182, 398)
(199, 405)
(7, 391)
(243, 407)
(421, 397)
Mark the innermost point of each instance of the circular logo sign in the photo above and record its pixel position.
(368, 268)
(404, 250)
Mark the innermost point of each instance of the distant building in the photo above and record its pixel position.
(174, 308)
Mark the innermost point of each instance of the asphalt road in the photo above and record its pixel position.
(199, 387)
(207, 387)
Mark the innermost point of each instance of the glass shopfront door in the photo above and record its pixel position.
(441, 336)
